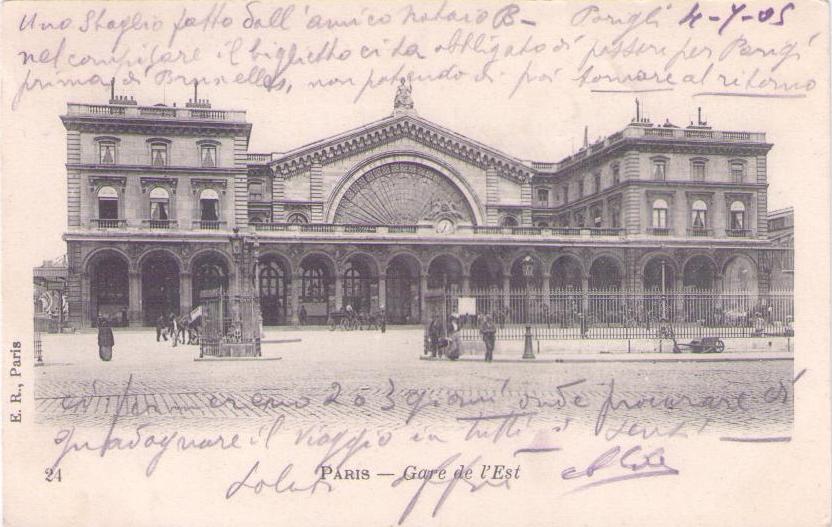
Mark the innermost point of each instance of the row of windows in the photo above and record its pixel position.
(699, 215)
(698, 169)
(158, 152)
(659, 172)
(108, 204)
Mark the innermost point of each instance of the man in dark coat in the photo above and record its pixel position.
(434, 334)
(488, 331)
(160, 328)
(383, 321)
(105, 340)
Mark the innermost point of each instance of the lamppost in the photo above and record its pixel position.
(528, 273)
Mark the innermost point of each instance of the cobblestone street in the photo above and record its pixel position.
(380, 379)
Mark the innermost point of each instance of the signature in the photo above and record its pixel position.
(615, 465)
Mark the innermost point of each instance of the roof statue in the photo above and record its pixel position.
(403, 100)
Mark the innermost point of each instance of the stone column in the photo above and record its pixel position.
(134, 311)
(294, 300)
(185, 293)
(382, 291)
(585, 293)
(339, 292)
(466, 284)
(423, 288)
(85, 305)
(506, 291)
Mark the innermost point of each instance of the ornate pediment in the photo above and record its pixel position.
(149, 182)
(200, 184)
(403, 126)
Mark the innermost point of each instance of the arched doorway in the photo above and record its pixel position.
(659, 279)
(360, 283)
(109, 289)
(316, 288)
(486, 274)
(605, 274)
(274, 279)
(518, 280)
(160, 287)
(210, 277)
(487, 285)
(698, 278)
(402, 283)
(566, 274)
(445, 273)
(699, 273)
(659, 274)
(605, 304)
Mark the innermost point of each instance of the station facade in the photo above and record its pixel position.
(387, 214)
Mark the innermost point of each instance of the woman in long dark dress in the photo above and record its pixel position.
(105, 340)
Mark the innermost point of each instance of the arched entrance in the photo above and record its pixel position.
(518, 280)
(402, 302)
(445, 273)
(659, 274)
(210, 276)
(109, 289)
(160, 287)
(605, 274)
(486, 274)
(316, 288)
(566, 274)
(605, 278)
(274, 279)
(699, 273)
(360, 283)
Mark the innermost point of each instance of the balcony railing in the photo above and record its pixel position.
(101, 223)
(402, 229)
(208, 225)
(606, 231)
(360, 228)
(700, 233)
(659, 231)
(738, 233)
(159, 224)
(155, 112)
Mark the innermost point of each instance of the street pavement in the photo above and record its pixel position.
(384, 379)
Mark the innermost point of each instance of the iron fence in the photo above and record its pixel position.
(228, 319)
(626, 314)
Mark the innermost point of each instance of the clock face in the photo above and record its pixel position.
(444, 226)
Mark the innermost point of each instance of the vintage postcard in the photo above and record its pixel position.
(410, 263)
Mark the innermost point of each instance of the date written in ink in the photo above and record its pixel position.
(774, 16)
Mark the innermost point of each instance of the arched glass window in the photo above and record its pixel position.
(660, 214)
(737, 215)
(313, 284)
(107, 203)
(159, 204)
(699, 215)
(509, 221)
(297, 218)
(209, 205)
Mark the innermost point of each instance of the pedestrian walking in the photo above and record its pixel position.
(183, 328)
(302, 315)
(105, 340)
(383, 321)
(160, 328)
(454, 347)
(489, 335)
(434, 334)
(174, 330)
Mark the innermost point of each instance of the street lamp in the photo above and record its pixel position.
(528, 273)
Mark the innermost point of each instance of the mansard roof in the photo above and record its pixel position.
(394, 127)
